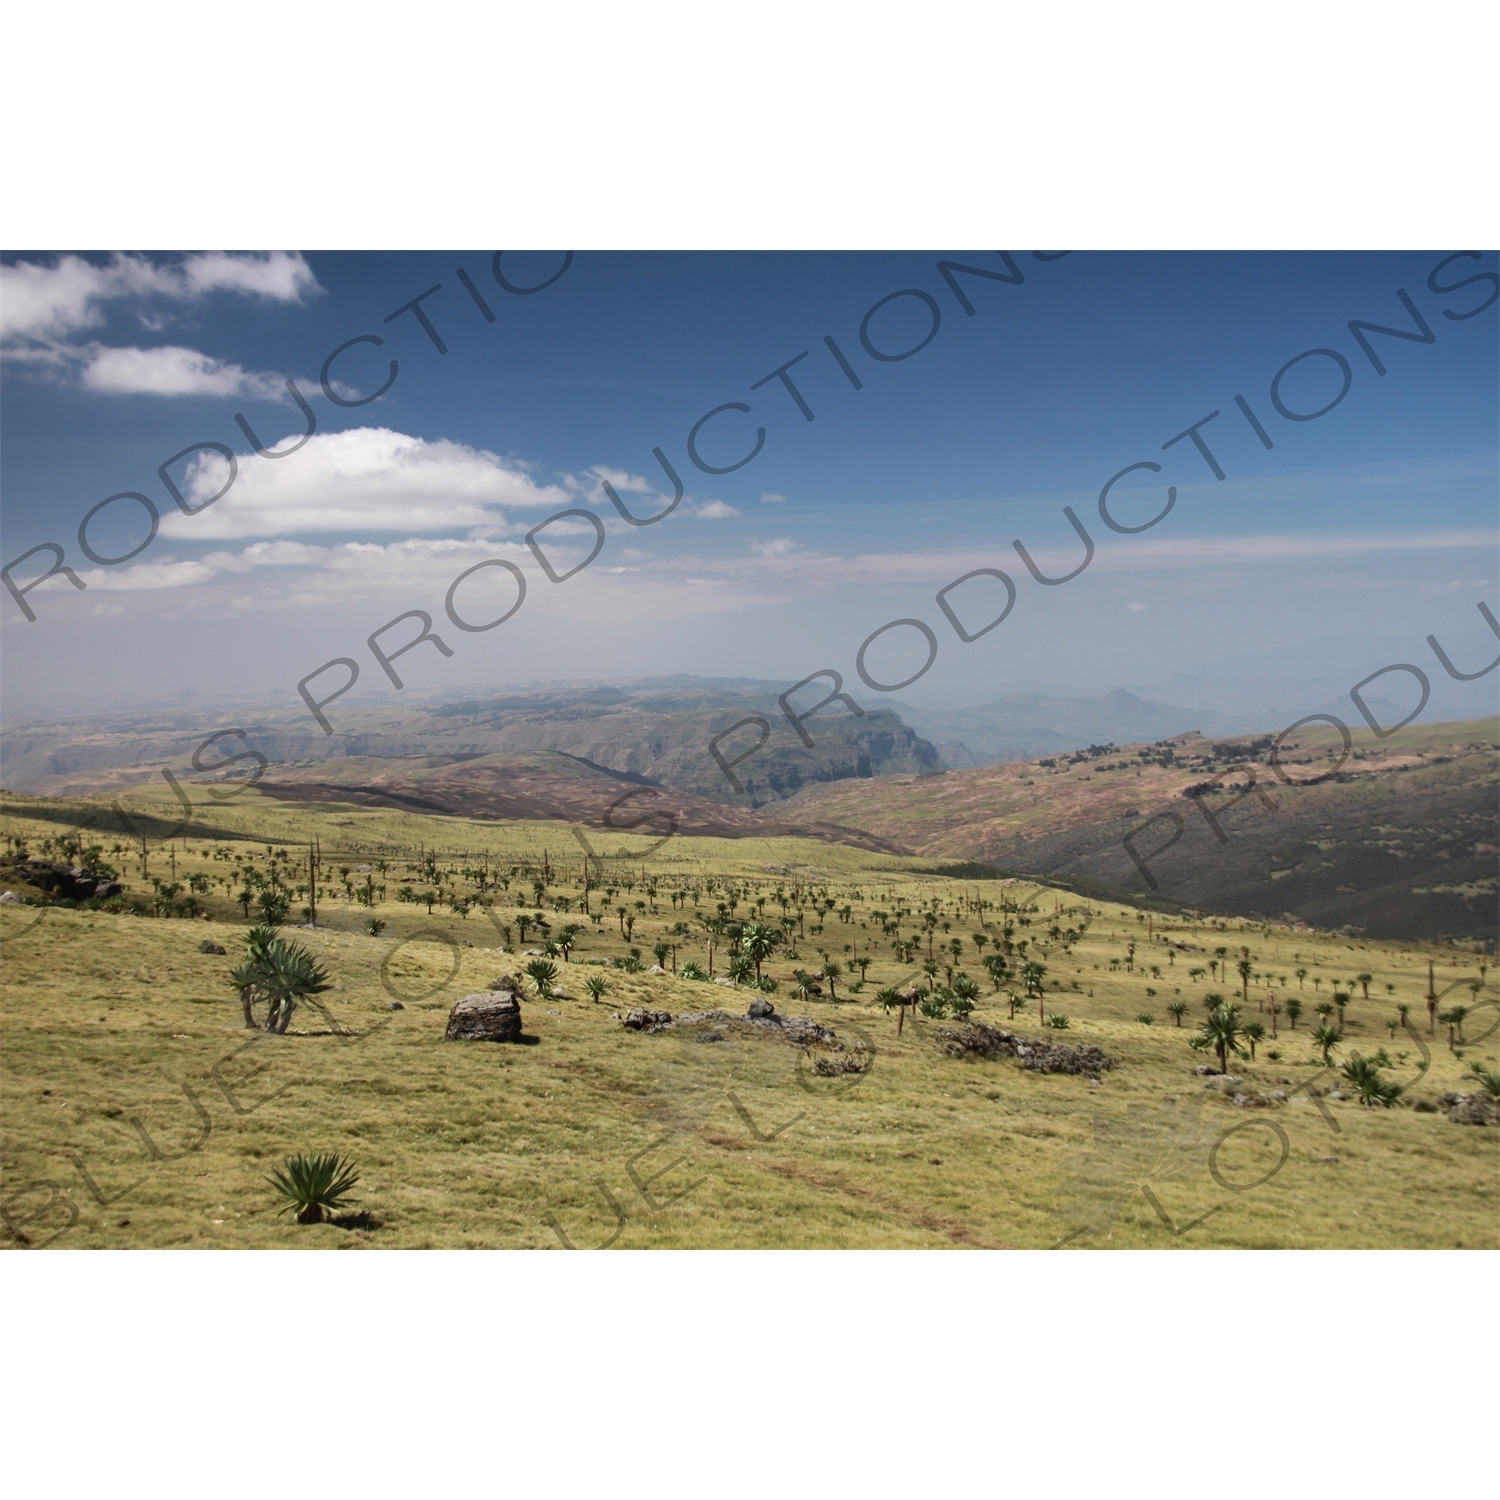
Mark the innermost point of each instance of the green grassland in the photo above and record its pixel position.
(128, 1076)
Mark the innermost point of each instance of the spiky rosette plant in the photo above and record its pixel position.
(314, 1185)
(543, 975)
(1363, 1073)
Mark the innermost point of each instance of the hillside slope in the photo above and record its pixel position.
(545, 785)
(1400, 840)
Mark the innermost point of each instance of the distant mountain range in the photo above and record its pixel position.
(653, 734)
(1401, 841)
(655, 729)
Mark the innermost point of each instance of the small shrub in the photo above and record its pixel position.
(1058, 1021)
(1145, 1019)
(314, 1185)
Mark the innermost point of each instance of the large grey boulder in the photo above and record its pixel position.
(491, 1017)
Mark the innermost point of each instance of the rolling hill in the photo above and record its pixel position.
(1400, 840)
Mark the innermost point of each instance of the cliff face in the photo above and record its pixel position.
(665, 738)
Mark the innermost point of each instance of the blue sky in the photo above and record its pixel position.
(1305, 568)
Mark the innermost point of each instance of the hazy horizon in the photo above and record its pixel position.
(1266, 593)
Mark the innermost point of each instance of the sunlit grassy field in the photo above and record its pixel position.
(134, 1097)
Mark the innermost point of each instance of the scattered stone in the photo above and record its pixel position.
(9, 898)
(1424, 1106)
(1251, 1101)
(1223, 1082)
(760, 1009)
(394, 1005)
(801, 1031)
(1473, 1109)
(656, 969)
(648, 1021)
(1040, 1057)
(1333, 1160)
(490, 1017)
(1337, 1094)
(720, 979)
(1279, 1094)
(209, 946)
(832, 1067)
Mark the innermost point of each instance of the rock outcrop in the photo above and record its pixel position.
(64, 882)
(645, 1020)
(1470, 1109)
(982, 1040)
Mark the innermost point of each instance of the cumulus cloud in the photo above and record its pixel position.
(171, 370)
(365, 480)
(777, 548)
(773, 499)
(44, 309)
(713, 510)
(41, 303)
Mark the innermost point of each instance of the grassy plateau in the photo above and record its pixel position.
(137, 1110)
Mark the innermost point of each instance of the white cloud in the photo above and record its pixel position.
(172, 371)
(349, 569)
(777, 548)
(713, 510)
(44, 304)
(365, 480)
(274, 277)
(773, 499)
(1135, 606)
(590, 487)
(592, 482)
